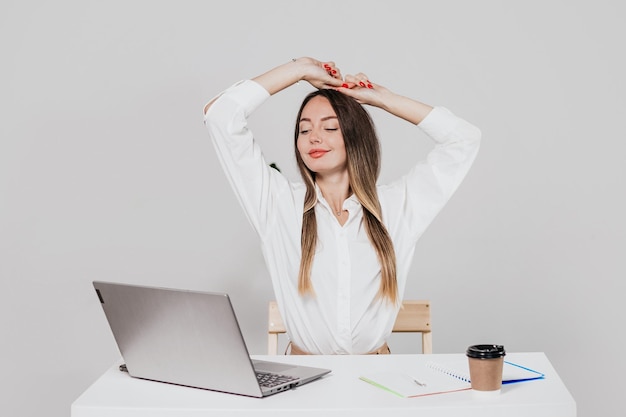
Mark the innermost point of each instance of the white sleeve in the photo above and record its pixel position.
(256, 185)
(425, 190)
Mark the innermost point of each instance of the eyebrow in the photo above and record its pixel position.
(323, 119)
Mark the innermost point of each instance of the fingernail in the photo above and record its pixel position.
(344, 85)
(326, 66)
(361, 83)
(334, 72)
(370, 86)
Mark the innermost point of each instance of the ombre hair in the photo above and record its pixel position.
(363, 160)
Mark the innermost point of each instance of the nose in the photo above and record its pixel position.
(314, 137)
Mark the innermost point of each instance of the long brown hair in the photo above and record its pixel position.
(363, 158)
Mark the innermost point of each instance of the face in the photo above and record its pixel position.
(320, 141)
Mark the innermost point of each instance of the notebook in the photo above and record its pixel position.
(432, 378)
(511, 372)
(191, 338)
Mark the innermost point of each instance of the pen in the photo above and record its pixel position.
(421, 384)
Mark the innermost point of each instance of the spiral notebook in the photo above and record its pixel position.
(442, 377)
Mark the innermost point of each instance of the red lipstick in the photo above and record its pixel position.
(317, 153)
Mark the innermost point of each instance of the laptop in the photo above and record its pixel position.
(191, 338)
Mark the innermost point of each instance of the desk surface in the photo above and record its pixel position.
(339, 393)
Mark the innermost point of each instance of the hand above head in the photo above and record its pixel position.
(325, 74)
(320, 74)
(360, 88)
(317, 73)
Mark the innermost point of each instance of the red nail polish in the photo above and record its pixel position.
(370, 86)
(344, 85)
(361, 83)
(326, 66)
(334, 72)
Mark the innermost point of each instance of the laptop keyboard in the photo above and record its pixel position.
(270, 380)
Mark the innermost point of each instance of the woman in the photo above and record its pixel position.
(338, 247)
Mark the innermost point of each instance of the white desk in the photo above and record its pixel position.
(340, 393)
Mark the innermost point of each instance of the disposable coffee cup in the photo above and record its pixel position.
(485, 366)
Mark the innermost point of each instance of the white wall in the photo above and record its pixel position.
(106, 171)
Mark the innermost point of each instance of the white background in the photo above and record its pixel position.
(107, 173)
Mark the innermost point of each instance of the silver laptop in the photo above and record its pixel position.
(190, 338)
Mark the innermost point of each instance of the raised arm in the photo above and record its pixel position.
(364, 91)
(318, 73)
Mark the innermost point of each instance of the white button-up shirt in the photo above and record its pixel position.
(345, 316)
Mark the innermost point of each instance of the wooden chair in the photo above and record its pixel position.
(413, 317)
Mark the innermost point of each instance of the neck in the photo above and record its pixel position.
(335, 191)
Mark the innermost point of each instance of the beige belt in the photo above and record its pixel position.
(295, 350)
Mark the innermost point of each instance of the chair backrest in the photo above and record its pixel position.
(414, 316)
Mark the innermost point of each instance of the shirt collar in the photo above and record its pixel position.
(350, 203)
